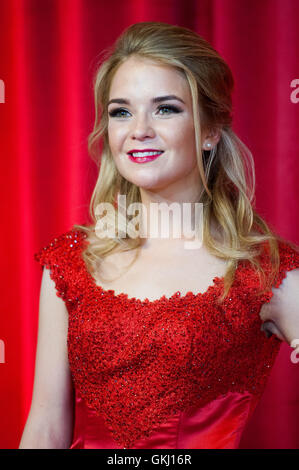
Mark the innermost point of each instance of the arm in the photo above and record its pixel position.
(281, 314)
(50, 420)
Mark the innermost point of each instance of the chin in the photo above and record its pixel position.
(145, 181)
(150, 184)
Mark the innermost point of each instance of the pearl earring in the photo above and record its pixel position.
(208, 145)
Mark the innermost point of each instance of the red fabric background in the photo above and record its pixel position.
(48, 55)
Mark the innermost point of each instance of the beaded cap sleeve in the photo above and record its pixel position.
(289, 260)
(60, 257)
(137, 362)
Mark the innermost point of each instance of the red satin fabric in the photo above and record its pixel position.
(218, 425)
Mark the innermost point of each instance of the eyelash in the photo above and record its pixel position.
(172, 108)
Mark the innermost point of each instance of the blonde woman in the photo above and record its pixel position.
(150, 341)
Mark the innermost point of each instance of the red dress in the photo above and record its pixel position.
(174, 373)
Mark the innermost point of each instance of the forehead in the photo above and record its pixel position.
(142, 75)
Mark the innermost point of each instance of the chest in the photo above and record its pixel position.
(188, 345)
(154, 274)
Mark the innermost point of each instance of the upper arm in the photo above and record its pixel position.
(52, 397)
(283, 309)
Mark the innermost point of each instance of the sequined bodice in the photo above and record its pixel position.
(138, 364)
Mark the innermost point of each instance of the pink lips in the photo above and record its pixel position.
(144, 159)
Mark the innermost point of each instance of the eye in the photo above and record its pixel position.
(169, 108)
(117, 112)
(166, 109)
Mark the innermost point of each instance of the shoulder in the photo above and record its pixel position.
(62, 257)
(282, 311)
(60, 247)
(284, 299)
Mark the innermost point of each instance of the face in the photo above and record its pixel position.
(152, 109)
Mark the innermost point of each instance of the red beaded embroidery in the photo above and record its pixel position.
(137, 362)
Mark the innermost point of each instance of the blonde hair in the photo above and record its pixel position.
(227, 171)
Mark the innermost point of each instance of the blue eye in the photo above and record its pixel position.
(172, 109)
(121, 112)
(116, 112)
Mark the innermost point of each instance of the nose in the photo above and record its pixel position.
(142, 127)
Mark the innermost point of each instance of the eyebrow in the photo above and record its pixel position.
(157, 99)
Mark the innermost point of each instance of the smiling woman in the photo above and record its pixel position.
(150, 127)
(162, 346)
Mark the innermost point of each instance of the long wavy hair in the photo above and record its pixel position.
(227, 171)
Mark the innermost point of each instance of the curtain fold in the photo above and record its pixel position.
(48, 54)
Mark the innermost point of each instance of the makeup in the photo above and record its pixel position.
(144, 156)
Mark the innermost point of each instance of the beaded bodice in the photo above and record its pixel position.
(138, 362)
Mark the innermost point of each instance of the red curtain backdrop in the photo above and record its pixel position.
(48, 54)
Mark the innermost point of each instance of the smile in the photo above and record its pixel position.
(144, 157)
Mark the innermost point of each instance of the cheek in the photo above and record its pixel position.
(115, 137)
(184, 137)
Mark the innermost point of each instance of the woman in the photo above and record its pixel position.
(156, 345)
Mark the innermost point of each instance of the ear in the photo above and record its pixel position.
(210, 139)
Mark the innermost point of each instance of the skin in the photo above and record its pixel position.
(174, 176)
(49, 424)
(281, 314)
(171, 178)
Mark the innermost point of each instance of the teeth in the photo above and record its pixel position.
(145, 154)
